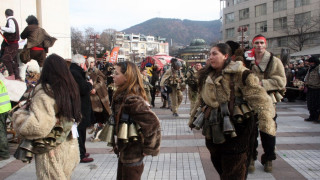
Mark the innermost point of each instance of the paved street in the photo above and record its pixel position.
(184, 155)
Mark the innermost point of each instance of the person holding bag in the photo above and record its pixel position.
(50, 121)
(136, 126)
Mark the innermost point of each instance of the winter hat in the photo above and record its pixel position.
(33, 66)
(78, 59)
(233, 45)
(314, 60)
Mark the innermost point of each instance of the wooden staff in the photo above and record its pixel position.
(4, 38)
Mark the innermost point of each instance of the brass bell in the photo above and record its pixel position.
(233, 134)
(278, 96)
(245, 110)
(217, 135)
(227, 125)
(110, 136)
(39, 143)
(102, 134)
(123, 132)
(273, 98)
(133, 133)
(29, 155)
(237, 114)
(58, 130)
(198, 123)
(50, 140)
(26, 145)
(138, 128)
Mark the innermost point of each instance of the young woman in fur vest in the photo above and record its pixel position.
(55, 99)
(228, 96)
(130, 106)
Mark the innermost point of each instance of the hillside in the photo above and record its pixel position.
(182, 32)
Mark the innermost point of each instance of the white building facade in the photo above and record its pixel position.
(53, 16)
(135, 47)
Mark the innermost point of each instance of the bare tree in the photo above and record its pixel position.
(77, 41)
(302, 30)
(107, 39)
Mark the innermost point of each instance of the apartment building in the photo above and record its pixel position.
(287, 24)
(135, 47)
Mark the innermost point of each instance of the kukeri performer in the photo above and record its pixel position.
(228, 96)
(270, 71)
(136, 126)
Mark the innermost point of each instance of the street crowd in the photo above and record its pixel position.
(233, 99)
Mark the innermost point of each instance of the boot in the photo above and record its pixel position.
(251, 167)
(164, 104)
(268, 166)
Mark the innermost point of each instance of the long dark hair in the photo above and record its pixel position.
(134, 84)
(63, 88)
(204, 72)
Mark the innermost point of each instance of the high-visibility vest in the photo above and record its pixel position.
(5, 104)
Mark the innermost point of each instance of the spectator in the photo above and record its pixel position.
(85, 86)
(312, 84)
(99, 95)
(4, 108)
(9, 46)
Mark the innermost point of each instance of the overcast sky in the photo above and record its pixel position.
(119, 15)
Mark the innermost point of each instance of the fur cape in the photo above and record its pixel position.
(217, 90)
(276, 77)
(100, 99)
(140, 112)
(36, 123)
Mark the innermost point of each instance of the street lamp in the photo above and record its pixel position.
(95, 37)
(242, 29)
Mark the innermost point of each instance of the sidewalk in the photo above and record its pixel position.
(184, 155)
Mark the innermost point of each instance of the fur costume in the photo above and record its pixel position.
(276, 78)
(100, 99)
(251, 91)
(140, 112)
(37, 123)
(230, 157)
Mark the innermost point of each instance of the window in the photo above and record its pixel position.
(282, 41)
(229, 18)
(279, 5)
(244, 14)
(230, 33)
(238, 1)
(261, 9)
(299, 3)
(302, 19)
(261, 27)
(280, 23)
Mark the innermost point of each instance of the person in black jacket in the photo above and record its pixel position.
(85, 87)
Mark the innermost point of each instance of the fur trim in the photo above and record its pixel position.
(39, 120)
(262, 104)
(33, 66)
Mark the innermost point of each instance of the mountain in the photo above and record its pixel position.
(182, 32)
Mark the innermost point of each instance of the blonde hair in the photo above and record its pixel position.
(134, 83)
